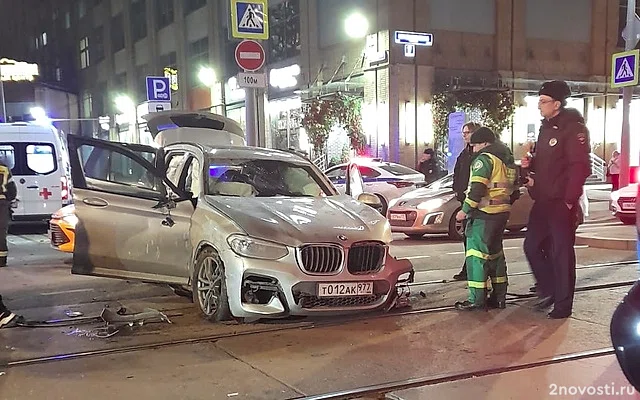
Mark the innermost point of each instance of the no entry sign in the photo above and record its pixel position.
(250, 55)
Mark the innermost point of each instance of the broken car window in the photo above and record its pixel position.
(262, 178)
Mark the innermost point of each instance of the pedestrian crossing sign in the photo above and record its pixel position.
(250, 19)
(624, 69)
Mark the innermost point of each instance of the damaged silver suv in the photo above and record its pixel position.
(250, 232)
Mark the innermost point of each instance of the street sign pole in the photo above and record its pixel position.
(250, 21)
(4, 103)
(627, 92)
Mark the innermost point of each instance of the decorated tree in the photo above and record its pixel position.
(494, 108)
(321, 115)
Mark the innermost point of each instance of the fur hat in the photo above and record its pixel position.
(557, 90)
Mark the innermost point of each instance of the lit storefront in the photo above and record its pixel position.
(284, 110)
(234, 100)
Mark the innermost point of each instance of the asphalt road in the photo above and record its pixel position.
(38, 284)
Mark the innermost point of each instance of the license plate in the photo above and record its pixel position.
(628, 206)
(398, 217)
(339, 289)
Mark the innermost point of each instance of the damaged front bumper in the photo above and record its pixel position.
(278, 289)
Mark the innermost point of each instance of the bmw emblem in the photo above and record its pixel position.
(342, 237)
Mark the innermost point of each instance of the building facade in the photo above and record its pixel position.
(104, 49)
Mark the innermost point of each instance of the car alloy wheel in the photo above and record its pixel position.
(209, 286)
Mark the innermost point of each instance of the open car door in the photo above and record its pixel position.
(127, 226)
(354, 181)
(355, 188)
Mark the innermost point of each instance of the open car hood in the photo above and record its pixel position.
(167, 127)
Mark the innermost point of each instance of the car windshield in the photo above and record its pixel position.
(263, 178)
(442, 183)
(397, 169)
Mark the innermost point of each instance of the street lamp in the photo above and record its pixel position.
(126, 106)
(356, 25)
(37, 113)
(207, 76)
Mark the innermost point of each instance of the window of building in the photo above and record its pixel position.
(117, 33)
(84, 52)
(168, 60)
(164, 13)
(167, 64)
(87, 105)
(40, 158)
(58, 74)
(192, 5)
(44, 38)
(284, 27)
(99, 99)
(97, 43)
(141, 82)
(120, 83)
(37, 42)
(67, 20)
(197, 57)
(139, 19)
(82, 9)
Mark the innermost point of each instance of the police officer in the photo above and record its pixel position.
(492, 191)
(8, 194)
(558, 171)
(461, 173)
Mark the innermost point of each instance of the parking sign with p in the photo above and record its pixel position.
(158, 88)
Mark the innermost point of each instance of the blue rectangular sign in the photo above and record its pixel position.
(624, 69)
(415, 38)
(158, 88)
(250, 19)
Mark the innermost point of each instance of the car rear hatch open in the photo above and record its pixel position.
(167, 127)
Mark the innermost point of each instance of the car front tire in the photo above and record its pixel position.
(455, 227)
(209, 287)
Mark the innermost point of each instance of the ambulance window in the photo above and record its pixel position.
(8, 155)
(40, 158)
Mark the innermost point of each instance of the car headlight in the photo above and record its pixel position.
(247, 246)
(615, 196)
(433, 204)
(71, 219)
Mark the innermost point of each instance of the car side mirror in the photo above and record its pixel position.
(371, 200)
(624, 328)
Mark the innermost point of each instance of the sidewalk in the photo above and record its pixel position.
(612, 237)
(603, 230)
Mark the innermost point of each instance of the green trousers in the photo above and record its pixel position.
(485, 258)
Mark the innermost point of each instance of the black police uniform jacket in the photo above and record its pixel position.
(462, 173)
(561, 163)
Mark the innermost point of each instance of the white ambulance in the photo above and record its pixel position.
(39, 162)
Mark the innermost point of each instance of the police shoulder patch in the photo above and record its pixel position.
(477, 165)
(582, 138)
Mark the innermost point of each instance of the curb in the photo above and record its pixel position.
(606, 243)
